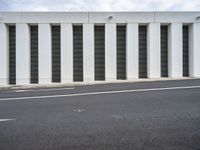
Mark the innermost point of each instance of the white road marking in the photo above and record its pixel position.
(39, 90)
(19, 91)
(3, 120)
(98, 93)
(79, 110)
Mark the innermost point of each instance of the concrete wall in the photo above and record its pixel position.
(98, 17)
(153, 21)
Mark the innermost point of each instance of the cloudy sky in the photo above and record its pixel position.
(99, 5)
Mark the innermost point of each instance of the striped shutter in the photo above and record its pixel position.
(142, 52)
(99, 34)
(78, 53)
(185, 50)
(12, 55)
(121, 52)
(164, 51)
(34, 54)
(55, 30)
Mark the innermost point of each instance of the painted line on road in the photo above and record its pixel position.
(98, 93)
(39, 90)
(4, 120)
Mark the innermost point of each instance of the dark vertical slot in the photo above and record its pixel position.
(78, 53)
(185, 51)
(12, 55)
(164, 51)
(142, 52)
(55, 30)
(99, 39)
(34, 54)
(121, 52)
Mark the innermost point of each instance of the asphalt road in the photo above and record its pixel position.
(127, 116)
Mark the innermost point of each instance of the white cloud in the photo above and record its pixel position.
(99, 5)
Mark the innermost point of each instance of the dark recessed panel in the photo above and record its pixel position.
(99, 39)
(77, 53)
(121, 52)
(142, 52)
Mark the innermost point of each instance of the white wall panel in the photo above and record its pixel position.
(3, 54)
(194, 50)
(110, 52)
(88, 52)
(44, 52)
(175, 59)
(153, 50)
(22, 54)
(132, 51)
(66, 53)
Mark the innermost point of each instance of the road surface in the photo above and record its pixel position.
(161, 115)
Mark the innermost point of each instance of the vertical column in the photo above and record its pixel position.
(88, 52)
(44, 52)
(110, 52)
(194, 50)
(66, 53)
(22, 54)
(175, 59)
(132, 51)
(3, 55)
(153, 51)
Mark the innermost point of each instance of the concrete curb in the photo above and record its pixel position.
(60, 85)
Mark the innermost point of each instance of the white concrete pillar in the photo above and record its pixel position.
(175, 50)
(22, 54)
(153, 51)
(66, 53)
(3, 54)
(110, 52)
(194, 50)
(44, 51)
(132, 51)
(88, 52)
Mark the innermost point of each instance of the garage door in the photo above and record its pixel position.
(34, 54)
(164, 51)
(99, 34)
(185, 51)
(121, 52)
(12, 55)
(55, 30)
(142, 52)
(78, 53)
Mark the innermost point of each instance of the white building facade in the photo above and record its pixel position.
(67, 47)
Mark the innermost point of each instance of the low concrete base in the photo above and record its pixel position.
(60, 85)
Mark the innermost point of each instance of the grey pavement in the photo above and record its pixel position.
(146, 120)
